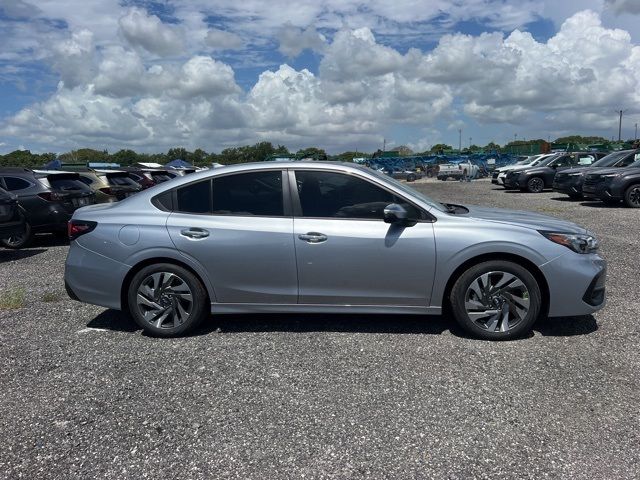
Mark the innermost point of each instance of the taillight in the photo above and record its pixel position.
(106, 190)
(75, 228)
(50, 196)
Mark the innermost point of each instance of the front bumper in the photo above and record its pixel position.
(512, 181)
(601, 190)
(568, 185)
(576, 284)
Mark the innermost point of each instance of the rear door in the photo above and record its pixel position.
(240, 229)
(347, 254)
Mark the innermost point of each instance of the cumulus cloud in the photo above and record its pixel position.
(222, 40)
(148, 32)
(118, 94)
(73, 58)
(293, 40)
(624, 6)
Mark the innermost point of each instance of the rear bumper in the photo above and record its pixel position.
(93, 278)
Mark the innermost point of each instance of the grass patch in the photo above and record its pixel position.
(12, 298)
(50, 297)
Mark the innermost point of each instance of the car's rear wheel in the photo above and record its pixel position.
(632, 196)
(167, 300)
(411, 177)
(19, 240)
(496, 300)
(535, 185)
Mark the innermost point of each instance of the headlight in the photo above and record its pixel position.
(576, 174)
(578, 242)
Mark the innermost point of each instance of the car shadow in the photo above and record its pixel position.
(7, 255)
(114, 320)
(598, 204)
(344, 323)
(566, 326)
(566, 199)
(49, 240)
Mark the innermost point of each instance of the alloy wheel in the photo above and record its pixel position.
(536, 185)
(164, 300)
(497, 301)
(634, 196)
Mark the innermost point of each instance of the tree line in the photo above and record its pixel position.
(243, 154)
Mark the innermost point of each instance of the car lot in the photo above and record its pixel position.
(85, 394)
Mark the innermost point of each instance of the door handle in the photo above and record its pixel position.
(313, 237)
(195, 233)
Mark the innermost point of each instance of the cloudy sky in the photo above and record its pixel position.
(339, 74)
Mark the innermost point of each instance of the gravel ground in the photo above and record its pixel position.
(84, 394)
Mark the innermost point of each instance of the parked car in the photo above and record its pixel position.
(48, 199)
(326, 237)
(498, 175)
(139, 176)
(457, 170)
(612, 185)
(109, 185)
(157, 175)
(570, 181)
(12, 221)
(536, 179)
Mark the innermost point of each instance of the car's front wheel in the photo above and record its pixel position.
(496, 300)
(632, 196)
(167, 300)
(535, 185)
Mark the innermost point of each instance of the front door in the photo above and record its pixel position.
(347, 255)
(235, 226)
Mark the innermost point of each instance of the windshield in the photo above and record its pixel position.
(612, 159)
(407, 189)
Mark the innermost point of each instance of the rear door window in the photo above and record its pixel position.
(194, 198)
(13, 184)
(255, 193)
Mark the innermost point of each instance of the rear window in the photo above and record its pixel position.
(121, 180)
(160, 177)
(61, 182)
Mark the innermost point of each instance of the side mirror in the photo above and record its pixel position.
(394, 213)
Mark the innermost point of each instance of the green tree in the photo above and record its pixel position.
(177, 154)
(124, 157)
(312, 152)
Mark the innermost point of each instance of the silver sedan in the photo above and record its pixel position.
(325, 237)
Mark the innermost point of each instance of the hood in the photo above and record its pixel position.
(536, 169)
(605, 171)
(579, 170)
(534, 221)
(511, 167)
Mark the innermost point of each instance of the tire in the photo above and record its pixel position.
(411, 178)
(632, 196)
(164, 288)
(535, 185)
(483, 316)
(16, 242)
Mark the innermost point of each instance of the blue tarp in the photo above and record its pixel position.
(177, 163)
